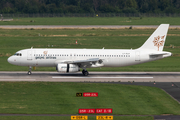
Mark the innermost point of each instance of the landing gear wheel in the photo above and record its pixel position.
(85, 72)
(29, 72)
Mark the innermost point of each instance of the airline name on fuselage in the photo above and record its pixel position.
(55, 56)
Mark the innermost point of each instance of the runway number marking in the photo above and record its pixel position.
(87, 94)
(79, 117)
(98, 110)
(84, 111)
(90, 94)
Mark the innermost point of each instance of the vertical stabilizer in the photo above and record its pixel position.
(157, 40)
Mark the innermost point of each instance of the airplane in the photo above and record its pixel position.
(72, 60)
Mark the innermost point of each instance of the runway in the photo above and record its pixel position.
(93, 77)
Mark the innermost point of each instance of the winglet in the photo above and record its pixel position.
(157, 39)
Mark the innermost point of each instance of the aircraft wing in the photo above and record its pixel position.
(92, 62)
(82, 61)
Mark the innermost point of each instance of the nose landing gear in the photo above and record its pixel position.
(29, 72)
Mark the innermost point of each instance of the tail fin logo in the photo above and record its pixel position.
(158, 41)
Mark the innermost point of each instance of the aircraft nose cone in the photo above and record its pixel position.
(10, 60)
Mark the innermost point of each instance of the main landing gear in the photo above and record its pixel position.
(29, 72)
(85, 72)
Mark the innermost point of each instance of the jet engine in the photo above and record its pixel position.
(67, 68)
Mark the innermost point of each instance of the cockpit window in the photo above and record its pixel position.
(18, 54)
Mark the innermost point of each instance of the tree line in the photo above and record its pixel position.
(89, 6)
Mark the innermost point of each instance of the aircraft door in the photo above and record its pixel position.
(29, 54)
(35, 62)
(137, 56)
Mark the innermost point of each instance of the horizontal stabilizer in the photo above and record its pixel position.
(164, 54)
(157, 54)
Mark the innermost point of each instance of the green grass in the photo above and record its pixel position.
(93, 21)
(14, 40)
(68, 118)
(60, 98)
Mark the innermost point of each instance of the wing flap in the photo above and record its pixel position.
(82, 61)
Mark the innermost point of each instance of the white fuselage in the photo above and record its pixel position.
(109, 57)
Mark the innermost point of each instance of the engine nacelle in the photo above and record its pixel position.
(67, 68)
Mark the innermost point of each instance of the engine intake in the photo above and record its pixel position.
(67, 68)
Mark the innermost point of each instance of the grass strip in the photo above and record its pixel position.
(60, 98)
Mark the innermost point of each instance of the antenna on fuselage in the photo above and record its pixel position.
(103, 48)
(32, 47)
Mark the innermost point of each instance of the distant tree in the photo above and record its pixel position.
(43, 9)
(109, 9)
(51, 8)
(163, 4)
(131, 4)
(96, 5)
(170, 9)
(89, 6)
(129, 10)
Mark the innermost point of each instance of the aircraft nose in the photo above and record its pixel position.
(10, 60)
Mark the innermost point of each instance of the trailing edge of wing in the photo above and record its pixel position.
(82, 61)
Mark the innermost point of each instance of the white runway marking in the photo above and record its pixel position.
(105, 77)
(16, 79)
(6, 77)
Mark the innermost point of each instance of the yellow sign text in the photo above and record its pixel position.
(79, 117)
(104, 117)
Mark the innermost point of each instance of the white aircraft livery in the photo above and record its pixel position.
(72, 60)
